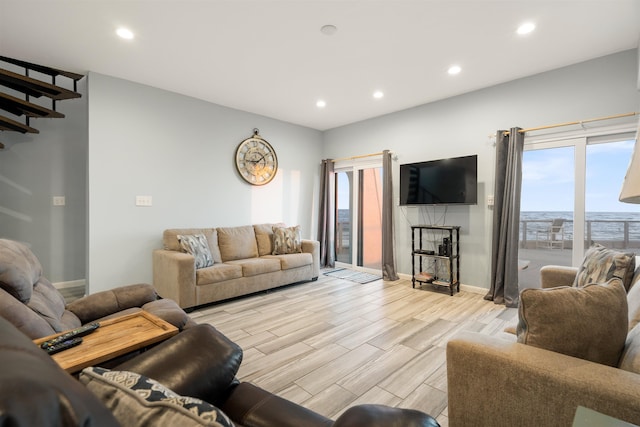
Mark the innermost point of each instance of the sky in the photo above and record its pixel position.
(548, 178)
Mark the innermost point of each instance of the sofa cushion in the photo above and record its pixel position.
(217, 273)
(196, 245)
(255, 266)
(170, 240)
(49, 304)
(286, 240)
(19, 269)
(137, 400)
(630, 359)
(290, 261)
(588, 322)
(600, 264)
(264, 237)
(237, 243)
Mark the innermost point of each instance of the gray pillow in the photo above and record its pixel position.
(600, 264)
(588, 322)
(196, 245)
(136, 400)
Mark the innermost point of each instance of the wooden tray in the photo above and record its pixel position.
(113, 338)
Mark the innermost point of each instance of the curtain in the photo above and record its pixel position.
(506, 218)
(326, 217)
(388, 232)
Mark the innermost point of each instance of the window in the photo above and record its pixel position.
(570, 189)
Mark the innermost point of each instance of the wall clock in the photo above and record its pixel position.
(256, 160)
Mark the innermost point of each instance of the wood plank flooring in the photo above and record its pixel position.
(332, 344)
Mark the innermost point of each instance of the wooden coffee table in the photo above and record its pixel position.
(114, 337)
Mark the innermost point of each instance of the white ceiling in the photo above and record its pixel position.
(269, 56)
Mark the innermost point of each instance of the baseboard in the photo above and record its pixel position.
(70, 284)
(467, 288)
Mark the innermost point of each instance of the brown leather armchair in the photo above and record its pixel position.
(34, 305)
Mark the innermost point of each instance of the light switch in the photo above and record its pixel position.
(144, 200)
(490, 200)
(59, 201)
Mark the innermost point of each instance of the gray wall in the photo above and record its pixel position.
(180, 151)
(461, 125)
(36, 167)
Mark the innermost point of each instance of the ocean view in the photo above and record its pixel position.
(600, 225)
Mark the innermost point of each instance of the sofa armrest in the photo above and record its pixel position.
(313, 247)
(199, 362)
(35, 391)
(538, 387)
(552, 276)
(251, 406)
(382, 416)
(174, 276)
(102, 304)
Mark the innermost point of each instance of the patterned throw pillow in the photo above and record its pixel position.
(601, 264)
(136, 400)
(287, 240)
(196, 245)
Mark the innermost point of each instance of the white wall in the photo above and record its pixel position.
(460, 126)
(180, 151)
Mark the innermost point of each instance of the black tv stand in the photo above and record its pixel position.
(439, 247)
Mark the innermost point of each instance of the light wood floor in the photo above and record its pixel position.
(332, 344)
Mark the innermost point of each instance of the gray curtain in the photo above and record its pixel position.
(326, 217)
(506, 218)
(388, 232)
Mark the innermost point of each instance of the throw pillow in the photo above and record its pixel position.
(630, 359)
(587, 322)
(136, 400)
(287, 240)
(196, 245)
(600, 264)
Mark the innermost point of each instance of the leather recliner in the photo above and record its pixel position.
(199, 362)
(36, 307)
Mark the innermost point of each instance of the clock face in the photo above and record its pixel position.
(256, 161)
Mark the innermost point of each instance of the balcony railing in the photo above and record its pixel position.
(618, 234)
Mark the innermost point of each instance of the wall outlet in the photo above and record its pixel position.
(144, 201)
(490, 200)
(59, 201)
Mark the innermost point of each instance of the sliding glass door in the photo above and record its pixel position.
(570, 189)
(359, 215)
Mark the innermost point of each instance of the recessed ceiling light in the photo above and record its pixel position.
(378, 94)
(328, 30)
(321, 103)
(526, 28)
(125, 33)
(454, 69)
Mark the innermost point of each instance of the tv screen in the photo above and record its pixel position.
(445, 181)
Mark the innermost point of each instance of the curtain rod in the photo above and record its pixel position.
(358, 157)
(580, 122)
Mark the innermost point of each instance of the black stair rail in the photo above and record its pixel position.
(32, 87)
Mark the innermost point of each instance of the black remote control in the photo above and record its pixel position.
(55, 348)
(74, 333)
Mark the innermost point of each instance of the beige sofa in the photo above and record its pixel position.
(242, 264)
(495, 381)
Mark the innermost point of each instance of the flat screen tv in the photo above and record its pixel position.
(451, 181)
